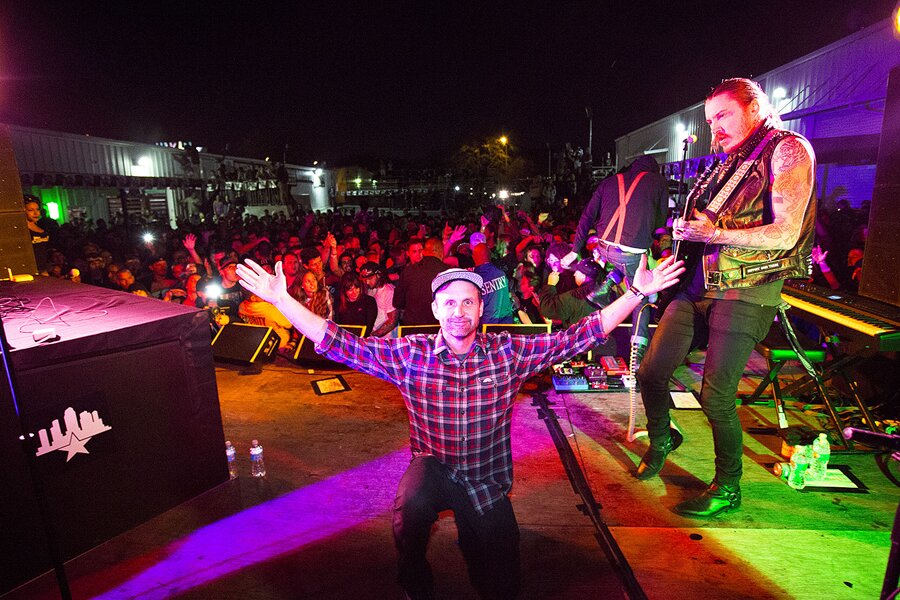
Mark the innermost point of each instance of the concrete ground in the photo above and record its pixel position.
(318, 525)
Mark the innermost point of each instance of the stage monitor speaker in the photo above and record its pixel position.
(244, 344)
(16, 253)
(880, 278)
(404, 330)
(306, 354)
(516, 328)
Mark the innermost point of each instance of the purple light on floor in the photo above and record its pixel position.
(287, 523)
(269, 530)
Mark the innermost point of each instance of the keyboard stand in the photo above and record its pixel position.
(817, 377)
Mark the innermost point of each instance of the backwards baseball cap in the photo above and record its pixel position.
(370, 268)
(445, 277)
(477, 238)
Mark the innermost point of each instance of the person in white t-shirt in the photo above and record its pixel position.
(372, 276)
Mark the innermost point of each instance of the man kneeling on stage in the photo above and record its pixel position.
(459, 387)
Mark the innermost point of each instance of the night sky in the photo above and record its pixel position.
(352, 83)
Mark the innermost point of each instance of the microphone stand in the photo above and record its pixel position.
(681, 169)
(53, 544)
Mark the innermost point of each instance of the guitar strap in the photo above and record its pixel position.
(712, 209)
(618, 217)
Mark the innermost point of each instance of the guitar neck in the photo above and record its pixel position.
(690, 201)
(689, 204)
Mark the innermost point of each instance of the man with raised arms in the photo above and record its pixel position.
(459, 387)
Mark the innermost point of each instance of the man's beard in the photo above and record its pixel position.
(460, 328)
(748, 125)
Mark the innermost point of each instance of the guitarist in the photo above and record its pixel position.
(756, 230)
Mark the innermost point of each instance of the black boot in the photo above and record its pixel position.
(655, 457)
(717, 499)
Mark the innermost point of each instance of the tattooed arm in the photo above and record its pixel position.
(793, 178)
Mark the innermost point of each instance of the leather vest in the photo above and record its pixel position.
(727, 267)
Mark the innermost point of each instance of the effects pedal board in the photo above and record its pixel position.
(570, 383)
(614, 365)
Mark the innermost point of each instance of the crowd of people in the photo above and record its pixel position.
(358, 267)
(363, 267)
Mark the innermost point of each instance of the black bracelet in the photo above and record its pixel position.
(636, 291)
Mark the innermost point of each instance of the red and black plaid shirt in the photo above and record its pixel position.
(460, 408)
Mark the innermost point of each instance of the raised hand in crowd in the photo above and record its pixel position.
(458, 234)
(818, 256)
(568, 259)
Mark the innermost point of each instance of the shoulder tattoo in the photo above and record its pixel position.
(789, 153)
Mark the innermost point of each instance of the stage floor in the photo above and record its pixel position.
(318, 526)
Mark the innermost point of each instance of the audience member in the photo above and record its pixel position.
(309, 291)
(498, 306)
(353, 307)
(529, 303)
(231, 294)
(256, 311)
(127, 283)
(412, 295)
(372, 276)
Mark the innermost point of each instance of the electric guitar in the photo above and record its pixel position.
(689, 252)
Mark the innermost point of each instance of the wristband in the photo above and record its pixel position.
(716, 233)
(636, 291)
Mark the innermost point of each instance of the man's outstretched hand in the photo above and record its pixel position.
(255, 279)
(664, 275)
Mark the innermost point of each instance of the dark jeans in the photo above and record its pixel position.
(627, 264)
(733, 329)
(489, 542)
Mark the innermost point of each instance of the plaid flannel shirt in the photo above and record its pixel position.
(460, 409)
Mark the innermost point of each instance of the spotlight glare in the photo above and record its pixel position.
(897, 19)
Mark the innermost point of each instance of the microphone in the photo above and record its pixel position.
(690, 139)
(872, 438)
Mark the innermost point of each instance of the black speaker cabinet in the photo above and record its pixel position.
(880, 277)
(124, 411)
(244, 344)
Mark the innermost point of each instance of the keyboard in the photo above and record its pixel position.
(874, 323)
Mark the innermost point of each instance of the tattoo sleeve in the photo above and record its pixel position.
(793, 175)
(388, 325)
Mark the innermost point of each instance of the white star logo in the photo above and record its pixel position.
(75, 446)
(73, 440)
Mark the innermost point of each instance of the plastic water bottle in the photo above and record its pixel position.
(230, 455)
(800, 460)
(795, 472)
(821, 450)
(257, 466)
